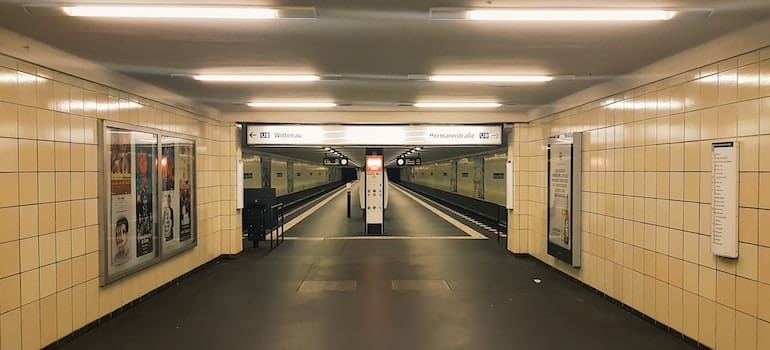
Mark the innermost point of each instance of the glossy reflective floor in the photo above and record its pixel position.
(377, 294)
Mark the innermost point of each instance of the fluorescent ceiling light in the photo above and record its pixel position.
(292, 104)
(491, 78)
(257, 78)
(457, 105)
(569, 15)
(127, 11)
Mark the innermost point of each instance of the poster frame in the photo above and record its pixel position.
(105, 201)
(572, 255)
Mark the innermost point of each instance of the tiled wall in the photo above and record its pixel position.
(647, 199)
(49, 225)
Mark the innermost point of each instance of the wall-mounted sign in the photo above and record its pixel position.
(335, 161)
(373, 135)
(564, 203)
(498, 176)
(411, 161)
(724, 189)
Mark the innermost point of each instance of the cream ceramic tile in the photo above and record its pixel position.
(692, 186)
(61, 127)
(30, 326)
(707, 322)
(764, 191)
(77, 209)
(47, 249)
(725, 320)
(45, 125)
(725, 287)
(764, 227)
(78, 306)
(10, 150)
(764, 115)
(676, 308)
(48, 320)
(764, 265)
(9, 224)
(30, 286)
(64, 313)
(10, 330)
(29, 255)
(747, 225)
(709, 123)
(690, 314)
(47, 280)
(707, 282)
(46, 214)
(9, 192)
(28, 187)
(10, 293)
(763, 335)
(745, 332)
(78, 270)
(63, 245)
(63, 216)
(92, 238)
(62, 156)
(46, 187)
(747, 264)
(691, 217)
(763, 301)
(746, 295)
(27, 123)
(46, 160)
(77, 185)
(747, 186)
(91, 157)
(705, 195)
(690, 277)
(27, 155)
(63, 275)
(92, 300)
(747, 115)
(90, 185)
(9, 258)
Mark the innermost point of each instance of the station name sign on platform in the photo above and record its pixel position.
(373, 135)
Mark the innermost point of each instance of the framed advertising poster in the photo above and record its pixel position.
(145, 183)
(564, 200)
(131, 240)
(177, 170)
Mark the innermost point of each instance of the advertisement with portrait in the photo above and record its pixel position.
(131, 237)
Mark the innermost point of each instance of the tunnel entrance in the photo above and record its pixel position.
(438, 181)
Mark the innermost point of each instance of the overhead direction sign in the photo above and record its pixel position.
(374, 135)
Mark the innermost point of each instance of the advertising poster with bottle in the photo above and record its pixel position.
(560, 189)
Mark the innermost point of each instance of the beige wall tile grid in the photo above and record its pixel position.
(647, 199)
(49, 226)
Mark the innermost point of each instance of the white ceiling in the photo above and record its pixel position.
(374, 45)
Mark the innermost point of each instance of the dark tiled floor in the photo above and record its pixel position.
(254, 302)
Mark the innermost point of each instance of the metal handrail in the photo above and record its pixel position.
(277, 212)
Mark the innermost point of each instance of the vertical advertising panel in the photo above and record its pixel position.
(176, 196)
(564, 207)
(149, 209)
(131, 233)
